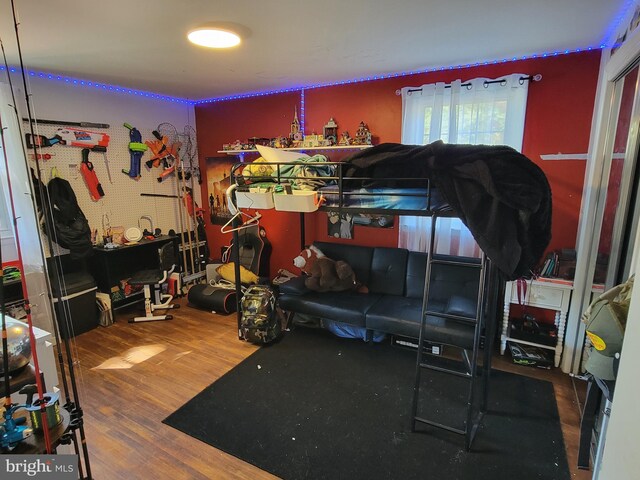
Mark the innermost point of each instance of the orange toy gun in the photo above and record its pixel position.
(90, 177)
(163, 154)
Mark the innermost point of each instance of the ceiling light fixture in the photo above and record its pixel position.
(214, 37)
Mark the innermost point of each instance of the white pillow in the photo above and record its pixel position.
(279, 155)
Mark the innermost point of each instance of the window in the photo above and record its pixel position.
(479, 111)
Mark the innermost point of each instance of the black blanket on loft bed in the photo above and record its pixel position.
(500, 195)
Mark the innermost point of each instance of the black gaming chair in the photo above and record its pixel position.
(152, 280)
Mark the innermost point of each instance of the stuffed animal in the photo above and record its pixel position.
(325, 274)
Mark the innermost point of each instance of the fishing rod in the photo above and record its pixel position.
(61, 363)
(186, 207)
(74, 408)
(27, 308)
(194, 206)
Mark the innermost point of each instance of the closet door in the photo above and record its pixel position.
(619, 186)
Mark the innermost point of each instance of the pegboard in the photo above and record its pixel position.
(122, 205)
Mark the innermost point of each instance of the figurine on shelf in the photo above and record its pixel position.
(330, 133)
(312, 141)
(281, 142)
(345, 139)
(296, 133)
(363, 135)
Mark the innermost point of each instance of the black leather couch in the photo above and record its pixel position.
(395, 279)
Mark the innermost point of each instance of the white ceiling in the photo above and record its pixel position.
(141, 44)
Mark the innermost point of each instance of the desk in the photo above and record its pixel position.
(109, 266)
(541, 294)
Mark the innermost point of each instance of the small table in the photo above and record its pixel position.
(547, 294)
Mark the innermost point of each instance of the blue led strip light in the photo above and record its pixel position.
(302, 111)
(166, 98)
(397, 74)
(101, 86)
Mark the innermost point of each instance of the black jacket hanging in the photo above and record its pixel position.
(71, 227)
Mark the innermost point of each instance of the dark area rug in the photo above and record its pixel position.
(314, 406)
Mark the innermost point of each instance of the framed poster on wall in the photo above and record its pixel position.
(218, 180)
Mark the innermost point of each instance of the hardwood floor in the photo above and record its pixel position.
(124, 405)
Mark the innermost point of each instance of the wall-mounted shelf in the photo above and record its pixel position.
(303, 149)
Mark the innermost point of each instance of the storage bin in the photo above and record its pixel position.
(77, 305)
(255, 198)
(296, 201)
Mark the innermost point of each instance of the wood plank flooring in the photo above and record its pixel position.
(124, 407)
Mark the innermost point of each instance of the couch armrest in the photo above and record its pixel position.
(295, 286)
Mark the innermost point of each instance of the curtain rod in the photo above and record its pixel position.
(535, 78)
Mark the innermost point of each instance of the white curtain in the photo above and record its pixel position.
(479, 111)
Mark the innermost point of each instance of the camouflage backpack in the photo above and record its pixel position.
(260, 323)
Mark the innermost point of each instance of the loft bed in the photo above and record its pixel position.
(499, 194)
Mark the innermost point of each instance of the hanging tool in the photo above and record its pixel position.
(136, 150)
(90, 177)
(73, 124)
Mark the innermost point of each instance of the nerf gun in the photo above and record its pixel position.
(163, 154)
(136, 150)
(90, 177)
(75, 137)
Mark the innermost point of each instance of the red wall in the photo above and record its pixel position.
(558, 120)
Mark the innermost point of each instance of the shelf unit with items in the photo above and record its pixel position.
(303, 149)
(548, 294)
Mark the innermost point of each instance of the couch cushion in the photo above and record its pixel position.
(446, 280)
(346, 307)
(401, 316)
(388, 271)
(358, 257)
(416, 267)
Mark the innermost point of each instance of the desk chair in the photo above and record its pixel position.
(152, 280)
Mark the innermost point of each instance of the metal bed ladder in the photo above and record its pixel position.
(470, 362)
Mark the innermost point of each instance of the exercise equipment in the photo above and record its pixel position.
(152, 281)
(215, 298)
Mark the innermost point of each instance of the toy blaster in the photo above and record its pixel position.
(76, 137)
(34, 141)
(163, 154)
(136, 150)
(90, 177)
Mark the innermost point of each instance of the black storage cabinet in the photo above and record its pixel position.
(75, 304)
